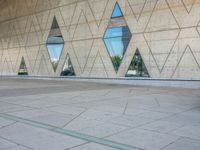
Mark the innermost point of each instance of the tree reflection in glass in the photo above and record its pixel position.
(117, 37)
(68, 69)
(137, 67)
(116, 40)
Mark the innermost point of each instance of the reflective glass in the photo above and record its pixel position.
(68, 69)
(55, 44)
(116, 12)
(22, 68)
(137, 67)
(116, 40)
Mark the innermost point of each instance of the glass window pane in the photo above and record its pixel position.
(116, 40)
(22, 68)
(113, 32)
(116, 12)
(117, 37)
(115, 46)
(55, 44)
(55, 51)
(137, 67)
(68, 69)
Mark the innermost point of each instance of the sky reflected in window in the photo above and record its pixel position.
(116, 40)
(116, 12)
(55, 51)
(55, 44)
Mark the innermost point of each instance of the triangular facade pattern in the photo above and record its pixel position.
(137, 8)
(189, 64)
(188, 4)
(98, 69)
(166, 33)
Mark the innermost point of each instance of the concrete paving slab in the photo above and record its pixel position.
(162, 126)
(52, 118)
(103, 130)
(92, 146)
(130, 116)
(155, 115)
(144, 139)
(98, 115)
(184, 144)
(5, 144)
(65, 109)
(17, 148)
(39, 139)
(130, 121)
(82, 123)
(192, 132)
(7, 107)
(4, 122)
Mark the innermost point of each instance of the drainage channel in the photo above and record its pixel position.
(74, 134)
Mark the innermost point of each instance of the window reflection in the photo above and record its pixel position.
(68, 69)
(22, 68)
(137, 67)
(116, 12)
(116, 40)
(55, 44)
(117, 37)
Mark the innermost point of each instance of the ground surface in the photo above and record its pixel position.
(66, 115)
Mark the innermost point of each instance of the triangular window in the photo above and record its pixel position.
(116, 12)
(68, 69)
(137, 67)
(55, 44)
(22, 68)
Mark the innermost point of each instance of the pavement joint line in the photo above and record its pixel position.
(75, 117)
(71, 133)
(17, 144)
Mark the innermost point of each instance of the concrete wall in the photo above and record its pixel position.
(166, 32)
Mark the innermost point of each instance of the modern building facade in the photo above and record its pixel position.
(100, 38)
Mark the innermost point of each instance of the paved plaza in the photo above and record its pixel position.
(75, 115)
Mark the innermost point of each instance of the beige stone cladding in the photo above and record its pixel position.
(166, 32)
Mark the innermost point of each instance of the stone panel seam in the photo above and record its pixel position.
(151, 15)
(140, 11)
(188, 11)
(179, 61)
(71, 18)
(170, 51)
(37, 12)
(151, 53)
(172, 14)
(43, 59)
(194, 56)
(102, 14)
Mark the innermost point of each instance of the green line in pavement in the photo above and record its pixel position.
(71, 133)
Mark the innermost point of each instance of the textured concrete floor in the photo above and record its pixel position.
(142, 117)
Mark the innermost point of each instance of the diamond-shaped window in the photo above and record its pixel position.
(55, 44)
(117, 37)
